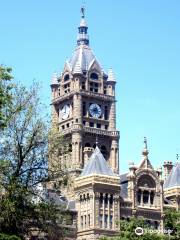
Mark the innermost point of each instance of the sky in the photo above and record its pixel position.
(139, 40)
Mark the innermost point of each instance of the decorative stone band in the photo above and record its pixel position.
(83, 93)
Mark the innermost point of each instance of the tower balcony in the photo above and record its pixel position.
(93, 131)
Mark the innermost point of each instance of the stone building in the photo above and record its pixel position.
(84, 110)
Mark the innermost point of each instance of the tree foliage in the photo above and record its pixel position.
(5, 94)
(127, 231)
(24, 165)
(172, 221)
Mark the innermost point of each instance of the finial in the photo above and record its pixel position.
(177, 157)
(83, 11)
(83, 38)
(145, 151)
(145, 142)
(97, 141)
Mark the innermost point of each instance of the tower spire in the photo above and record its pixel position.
(83, 38)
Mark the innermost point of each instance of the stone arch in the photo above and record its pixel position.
(146, 181)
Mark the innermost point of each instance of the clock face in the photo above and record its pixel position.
(65, 112)
(95, 110)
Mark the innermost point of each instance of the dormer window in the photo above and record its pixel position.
(94, 76)
(66, 78)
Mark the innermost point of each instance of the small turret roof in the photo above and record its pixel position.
(97, 165)
(174, 178)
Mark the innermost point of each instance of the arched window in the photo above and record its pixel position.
(66, 77)
(87, 145)
(94, 76)
(146, 181)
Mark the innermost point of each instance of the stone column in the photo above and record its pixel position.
(103, 215)
(114, 157)
(112, 116)
(77, 109)
(108, 220)
(77, 150)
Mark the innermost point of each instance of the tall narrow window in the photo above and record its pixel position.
(110, 221)
(83, 86)
(81, 221)
(105, 220)
(106, 112)
(100, 220)
(84, 108)
(85, 221)
(89, 220)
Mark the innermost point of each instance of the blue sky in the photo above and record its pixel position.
(139, 39)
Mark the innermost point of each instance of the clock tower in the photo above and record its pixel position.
(84, 106)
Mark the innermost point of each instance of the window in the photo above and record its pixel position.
(106, 112)
(94, 76)
(66, 88)
(106, 127)
(89, 220)
(94, 87)
(98, 125)
(63, 127)
(105, 220)
(105, 89)
(84, 109)
(76, 120)
(83, 86)
(84, 123)
(85, 221)
(106, 200)
(101, 199)
(67, 125)
(100, 220)
(66, 78)
(145, 196)
(87, 145)
(81, 221)
(91, 124)
(111, 200)
(111, 221)
(139, 196)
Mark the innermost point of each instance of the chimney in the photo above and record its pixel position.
(167, 168)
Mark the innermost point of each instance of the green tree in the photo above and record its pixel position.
(24, 165)
(172, 222)
(5, 94)
(127, 231)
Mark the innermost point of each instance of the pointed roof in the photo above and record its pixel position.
(111, 76)
(173, 179)
(97, 165)
(54, 80)
(85, 57)
(77, 68)
(83, 54)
